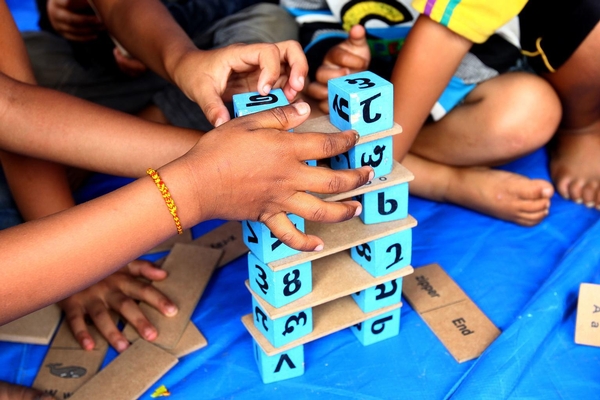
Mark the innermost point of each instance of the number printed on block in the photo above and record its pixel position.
(279, 288)
(279, 367)
(379, 296)
(377, 154)
(284, 330)
(384, 255)
(361, 101)
(389, 204)
(266, 246)
(378, 328)
(250, 103)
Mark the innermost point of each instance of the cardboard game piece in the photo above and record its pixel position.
(459, 324)
(362, 101)
(35, 328)
(191, 340)
(327, 319)
(322, 124)
(67, 366)
(190, 268)
(587, 326)
(129, 375)
(333, 277)
(342, 236)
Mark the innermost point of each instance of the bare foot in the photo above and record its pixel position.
(575, 167)
(9, 391)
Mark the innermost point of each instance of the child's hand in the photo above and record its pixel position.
(74, 19)
(207, 77)
(117, 292)
(350, 56)
(253, 168)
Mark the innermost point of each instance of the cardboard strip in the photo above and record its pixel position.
(191, 340)
(327, 319)
(190, 268)
(587, 326)
(398, 176)
(129, 375)
(334, 276)
(35, 328)
(322, 124)
(342, 236)
(67, 366)
(459, 324)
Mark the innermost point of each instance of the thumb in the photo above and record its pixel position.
(282, 118)
(357, 36)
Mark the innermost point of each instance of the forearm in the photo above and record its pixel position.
(31, 179)
(66, 252)
(147, 30)
(71, 131)
(429, 58)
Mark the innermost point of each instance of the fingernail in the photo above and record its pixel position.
(150, 333)
(591, 204)
(219, 122)
(358, 210)
(356, 136)
(171, 310)
(302, 107)
(371, 175)
(266, 89)
(578, 201)
(547, 192)
(87, 343)
(319, 248)
(301, 80)
(122, 345)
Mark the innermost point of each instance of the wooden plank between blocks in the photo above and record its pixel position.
(342, 236)
(334, 276)
(129, 375)
(35, 328)
(327, 319)
(398, 176)
(322, 124)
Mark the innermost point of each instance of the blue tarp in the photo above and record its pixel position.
(525, 279)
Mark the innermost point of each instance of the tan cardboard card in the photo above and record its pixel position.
(459, 324)
(334, 276)
(342, 236)
(462, 328)
(35, 328)
(190, 268)
(430, 287)
(64, 371)
(587, 327)
(398, 176)
(64, 338)
(191, 340)
(129, 375)
(322, 124)
(327, 319)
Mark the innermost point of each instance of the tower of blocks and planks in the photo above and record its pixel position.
(356, 280)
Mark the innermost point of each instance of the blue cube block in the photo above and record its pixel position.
(379, 296)
(266, 246)
(389, 204)
(279, 367)
(250, 103)
(284, 330)
(387, 254)
(378, 328)
(361, 101)
(377, 154)
(279, 288)
(311, 163)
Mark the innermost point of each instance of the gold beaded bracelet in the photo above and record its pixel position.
(162, 187)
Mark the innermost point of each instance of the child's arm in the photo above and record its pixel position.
(430, 56)
(147, 30)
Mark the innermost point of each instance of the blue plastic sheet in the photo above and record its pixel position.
(525, 279)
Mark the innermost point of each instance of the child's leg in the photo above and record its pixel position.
(575, 162)
(502, 119)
